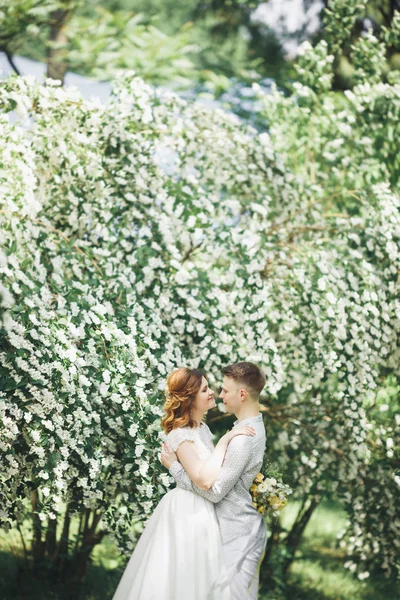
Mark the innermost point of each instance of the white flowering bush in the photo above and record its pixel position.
(155, 232)
(105, 291)
(342, 252)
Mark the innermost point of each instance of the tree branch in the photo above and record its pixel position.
(11, 61)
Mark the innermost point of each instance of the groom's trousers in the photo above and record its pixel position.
(244, 583)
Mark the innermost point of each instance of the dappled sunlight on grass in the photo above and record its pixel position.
(324, 578)
(328, 578)
(327, 520)
(107, 555)
(318, 572)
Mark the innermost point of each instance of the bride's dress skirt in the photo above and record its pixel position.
(179, 555)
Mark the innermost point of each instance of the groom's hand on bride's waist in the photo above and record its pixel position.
(167, 456)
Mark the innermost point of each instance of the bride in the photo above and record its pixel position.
(179, 554)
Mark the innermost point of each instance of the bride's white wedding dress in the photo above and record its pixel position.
(179, 555)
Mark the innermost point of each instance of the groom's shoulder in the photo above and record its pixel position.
(250, 441)
(241, 441)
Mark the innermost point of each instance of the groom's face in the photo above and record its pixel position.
(230, 394)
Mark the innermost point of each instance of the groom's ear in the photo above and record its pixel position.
(243, 393)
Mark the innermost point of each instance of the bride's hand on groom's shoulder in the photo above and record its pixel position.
(239, 430)
(167, 455)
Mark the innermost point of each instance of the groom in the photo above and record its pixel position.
(243, 529)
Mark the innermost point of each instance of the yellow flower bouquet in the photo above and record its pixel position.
(269, 493)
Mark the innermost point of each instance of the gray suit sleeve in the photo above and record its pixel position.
(181, 477)
(236, 459)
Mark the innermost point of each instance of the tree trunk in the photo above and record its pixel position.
(267, 569)
(56, 67)
(51, 537)
(80, 530)
(26, 560)
(294, 537)
(60, 555)
(89, 540)
(38, 547)
(394, 5)
(273, 539)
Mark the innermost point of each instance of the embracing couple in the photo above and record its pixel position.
(205, 540)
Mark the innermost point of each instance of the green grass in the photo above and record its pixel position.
(100, 584)
(103, 573)
(316, 574)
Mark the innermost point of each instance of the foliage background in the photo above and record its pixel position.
(156, 231)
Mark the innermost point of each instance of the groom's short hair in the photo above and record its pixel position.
(247, 373)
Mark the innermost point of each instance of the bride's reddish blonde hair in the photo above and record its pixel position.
(182, 387)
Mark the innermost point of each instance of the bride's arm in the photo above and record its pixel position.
(205, 473)
(237, 457)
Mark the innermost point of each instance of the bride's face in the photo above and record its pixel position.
(204, 399)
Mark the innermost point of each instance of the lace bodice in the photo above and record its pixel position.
(201, 436)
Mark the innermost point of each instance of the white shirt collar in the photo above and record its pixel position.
(248, 420)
